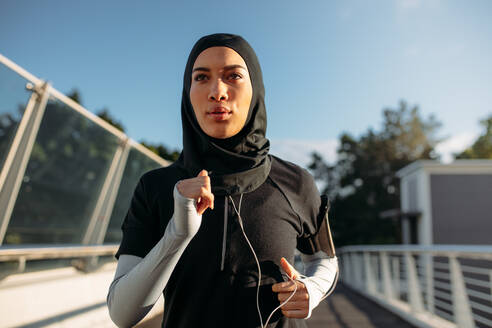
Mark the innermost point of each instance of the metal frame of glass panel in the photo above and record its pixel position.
(99, 238)
(17, 139)
(8, 176)
(105, 203)
(86, 113)
(95, 232)
(148, 153)
(19, 70)
(19, 153)
(20, 150)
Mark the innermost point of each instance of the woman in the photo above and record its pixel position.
(214, 229)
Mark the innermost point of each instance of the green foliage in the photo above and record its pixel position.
(105, 115)
(362, 183)
(74, 94)
(65, 173)
(158, 148)
(482, 147)
(161, 150)
(63, 178)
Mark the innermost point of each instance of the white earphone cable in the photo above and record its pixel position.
(238, 212)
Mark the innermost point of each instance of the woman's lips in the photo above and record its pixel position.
(219, 113)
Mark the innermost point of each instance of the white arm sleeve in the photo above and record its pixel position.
(320, 273)
(138, 282)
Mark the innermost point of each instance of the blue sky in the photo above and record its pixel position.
(328, 66)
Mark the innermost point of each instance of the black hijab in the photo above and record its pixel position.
(237, 164)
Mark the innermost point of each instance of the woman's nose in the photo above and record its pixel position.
(218, 91)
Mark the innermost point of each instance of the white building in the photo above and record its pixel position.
(446, 203)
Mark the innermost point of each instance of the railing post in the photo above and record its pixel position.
(353, 267)
(96, 216)
(376, 272)
(357, 271)
(19, 154)
(99, 221)
(429, 276)
(396, 276)
(370, 284)
(346, 269)
(110, 198)
(461, 305)
(490, 279)
(413, 286)
(387, 287)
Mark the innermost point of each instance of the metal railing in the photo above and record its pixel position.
(430, 286)
(40, 103)
(85, 256)
(45, 252)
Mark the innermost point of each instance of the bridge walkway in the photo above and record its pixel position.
(348, 309)
(343, 309)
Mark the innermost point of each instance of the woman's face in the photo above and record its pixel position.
(220, 92)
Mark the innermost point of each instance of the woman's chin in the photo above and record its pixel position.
(220, 133)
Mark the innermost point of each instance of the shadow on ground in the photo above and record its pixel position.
(348, 309)
(343, 309)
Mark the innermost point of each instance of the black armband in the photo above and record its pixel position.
(322, 240)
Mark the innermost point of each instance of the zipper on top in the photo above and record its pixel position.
(224, 236)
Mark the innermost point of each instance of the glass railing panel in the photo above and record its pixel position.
(67, 168)
(136, 165)
(13, 101)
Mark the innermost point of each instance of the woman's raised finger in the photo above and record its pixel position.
(206, 200)
(206, 182)
(191, 188)
(207, 194)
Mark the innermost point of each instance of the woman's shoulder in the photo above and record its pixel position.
(164, 172)
(162, 180)
(298, 186)
(291, 175)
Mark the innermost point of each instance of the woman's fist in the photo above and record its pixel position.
(199, 189)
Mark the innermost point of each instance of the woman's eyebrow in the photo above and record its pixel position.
(234, 66)
(201, 69)
(226, 68)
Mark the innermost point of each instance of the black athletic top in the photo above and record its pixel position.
(206, 290)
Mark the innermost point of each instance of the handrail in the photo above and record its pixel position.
(19, 70)
(54, 93)
(428, 285)
(471, 251)
(44, 252)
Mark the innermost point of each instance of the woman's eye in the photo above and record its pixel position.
(235, 76)
(200, 77)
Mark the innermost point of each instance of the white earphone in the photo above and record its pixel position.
(259, 269)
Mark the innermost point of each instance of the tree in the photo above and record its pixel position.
(105, 115)
(162, 151)
(74, 94)
(482, 147)
(158, 148)
(362, 183)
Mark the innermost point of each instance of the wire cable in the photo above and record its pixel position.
(238, 212)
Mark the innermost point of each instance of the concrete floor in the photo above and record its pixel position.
(348, 309)
(343, 309)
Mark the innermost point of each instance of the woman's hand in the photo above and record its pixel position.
(199, 189)
(298, 305)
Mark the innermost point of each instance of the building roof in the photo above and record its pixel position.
(460, 166)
